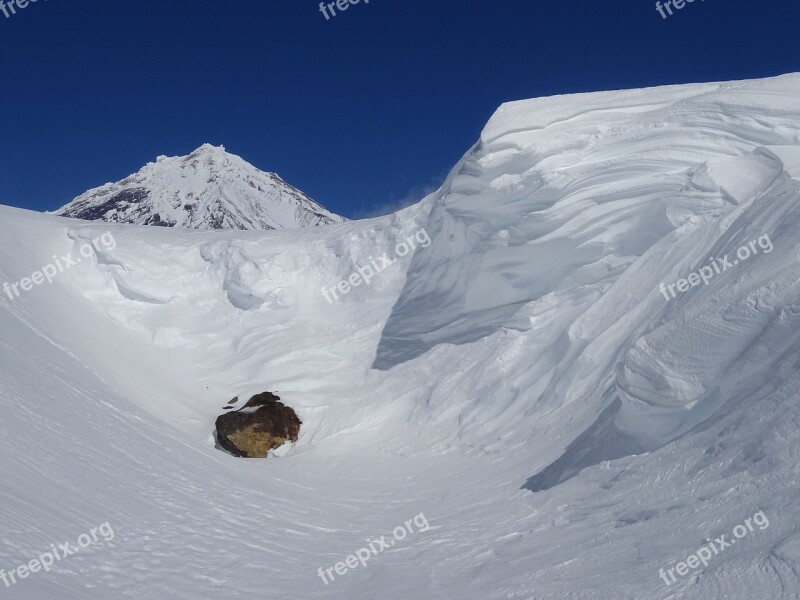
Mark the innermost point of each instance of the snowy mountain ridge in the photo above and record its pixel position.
(208, 189)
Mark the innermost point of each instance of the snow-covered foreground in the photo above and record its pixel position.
(566, 429)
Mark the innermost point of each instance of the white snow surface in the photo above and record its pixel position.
(208, 189)
(565, 429)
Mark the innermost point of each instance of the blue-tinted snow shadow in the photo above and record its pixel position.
(602, 441)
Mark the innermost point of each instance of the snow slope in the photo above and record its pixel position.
(566, 430)
(208, 189)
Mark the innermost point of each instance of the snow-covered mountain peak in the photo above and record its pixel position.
(207, 189)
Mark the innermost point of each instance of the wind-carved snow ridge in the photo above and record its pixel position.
(208, 189)
(566, 428)
(595, 208)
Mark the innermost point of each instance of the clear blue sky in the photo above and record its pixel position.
(363, 112)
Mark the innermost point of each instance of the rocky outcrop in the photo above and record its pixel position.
(261, 425)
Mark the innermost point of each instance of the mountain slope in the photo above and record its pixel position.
(208, 189)
(522, 381)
